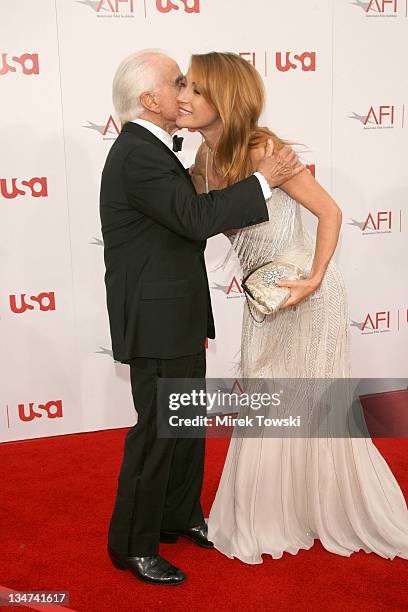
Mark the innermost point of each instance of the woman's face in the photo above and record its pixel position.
(193, 109)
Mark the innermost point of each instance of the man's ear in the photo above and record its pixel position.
(149, 102)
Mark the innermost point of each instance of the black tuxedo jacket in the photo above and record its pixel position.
(154, 227)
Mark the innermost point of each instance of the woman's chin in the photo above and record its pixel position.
(181, 122)
(184, 122)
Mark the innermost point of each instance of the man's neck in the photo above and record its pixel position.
(168, 126)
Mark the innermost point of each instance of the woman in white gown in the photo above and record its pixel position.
(277, 495)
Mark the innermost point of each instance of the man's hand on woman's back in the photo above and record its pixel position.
(279, 167)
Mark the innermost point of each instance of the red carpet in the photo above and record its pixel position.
(57, 496)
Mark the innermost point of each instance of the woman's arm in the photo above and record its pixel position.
(154, 188)
(309, 193)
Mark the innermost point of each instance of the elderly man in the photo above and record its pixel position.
(155, 227)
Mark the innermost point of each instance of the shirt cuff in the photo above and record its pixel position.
(266, 190)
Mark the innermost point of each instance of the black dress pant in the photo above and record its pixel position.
(160, 479)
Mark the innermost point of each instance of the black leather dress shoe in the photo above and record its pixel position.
(154, 569)
(198, 535)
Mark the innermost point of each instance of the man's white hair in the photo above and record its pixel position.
(137, 73)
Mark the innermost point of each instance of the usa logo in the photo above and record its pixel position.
(51, 410)
(44, 301)
(27, 63)
(167, 6)
(283, 61)
(36, 187)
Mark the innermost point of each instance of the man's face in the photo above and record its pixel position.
(167, 92)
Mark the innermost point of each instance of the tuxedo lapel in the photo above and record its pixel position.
(145, 134)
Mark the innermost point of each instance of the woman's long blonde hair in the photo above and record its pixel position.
(236, 91)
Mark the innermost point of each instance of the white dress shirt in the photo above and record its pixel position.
(167, 139)
(157, 131)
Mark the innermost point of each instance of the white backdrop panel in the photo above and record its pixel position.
(323, 71)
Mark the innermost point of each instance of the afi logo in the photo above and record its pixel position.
(249, 56)
(26, 64)
(381, 221)
(111, 123)
(234, 288)
(52, 409)
(382, 6)
(306, 61)
(312, 169)
(108, 130)
(190, 6)
(38, 187)
(378, 117)
(383, 115)
(115, 6)
(236, 387)
(44, 301)
(377, 322)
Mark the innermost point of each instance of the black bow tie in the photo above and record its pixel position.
(177, 143)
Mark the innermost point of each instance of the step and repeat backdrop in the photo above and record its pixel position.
(336, 81)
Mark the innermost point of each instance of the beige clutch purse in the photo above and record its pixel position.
(260, 286)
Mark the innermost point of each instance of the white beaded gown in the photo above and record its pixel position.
(277, 495)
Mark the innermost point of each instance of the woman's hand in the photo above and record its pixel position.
(198, 179)
(299, 290)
